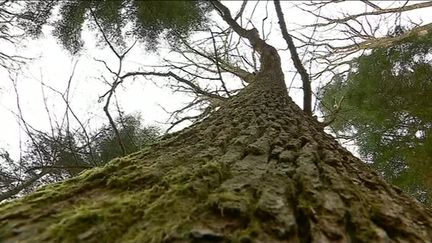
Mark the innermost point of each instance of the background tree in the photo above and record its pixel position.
(50, 158)
(132, 132)
(384, 106)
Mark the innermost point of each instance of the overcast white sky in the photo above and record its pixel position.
(53, 66)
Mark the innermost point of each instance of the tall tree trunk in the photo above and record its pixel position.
(257, 170)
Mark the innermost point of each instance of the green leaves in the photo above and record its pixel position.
(386, 110)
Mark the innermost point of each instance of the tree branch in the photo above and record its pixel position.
(307, 90)
(377, 12)
(194, 87)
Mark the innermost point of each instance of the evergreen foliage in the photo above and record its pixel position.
(145, 20)
(387, 109)
(133, 134)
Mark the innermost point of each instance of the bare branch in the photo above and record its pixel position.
(387, 41)
(217, 64)
(374, 6)
(14, 191)
(114, 84)
(194, 87)
(377, 12)
(242, 8)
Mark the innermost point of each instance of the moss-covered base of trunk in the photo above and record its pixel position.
(138, 199)
(125, 201)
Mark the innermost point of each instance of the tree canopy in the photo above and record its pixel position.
(145, 20)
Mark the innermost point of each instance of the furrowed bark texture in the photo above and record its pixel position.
(257, 170)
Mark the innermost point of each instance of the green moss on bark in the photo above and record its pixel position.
(138, 200)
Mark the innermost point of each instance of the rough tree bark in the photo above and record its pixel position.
(257, 170)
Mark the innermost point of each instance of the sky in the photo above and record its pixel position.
(53, 66)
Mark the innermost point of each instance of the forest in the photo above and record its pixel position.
(215, 121)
